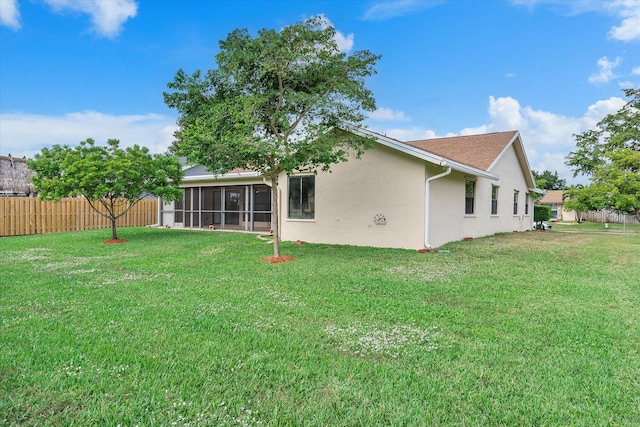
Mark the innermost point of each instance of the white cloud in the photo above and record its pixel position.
(344, 42)
(605, 70)
(628, 11)
(9, 14)
(597, 111)
(636, 71)
(548, 137)
(27, 134)
(505, 113)
(393, 8)
(567, 7)
(626, 84)
(407, 134)
(473, 131)
(387, 114)
(629, 28)
(107, 16)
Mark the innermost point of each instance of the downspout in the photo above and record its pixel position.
(426, 204)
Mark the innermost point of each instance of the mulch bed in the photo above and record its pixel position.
(278, 259)
(113, 241)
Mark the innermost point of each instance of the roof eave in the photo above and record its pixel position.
(537, 190)
(423, 155)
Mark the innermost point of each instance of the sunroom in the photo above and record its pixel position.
(228, 207)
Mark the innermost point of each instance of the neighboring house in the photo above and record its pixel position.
(414, 195)
(15, 177)
(555, 199)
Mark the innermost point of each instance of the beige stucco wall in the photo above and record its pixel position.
(382, 182)
(446, 207)
(392, 184)
(511, 178)
(566, 214)
(447, 219)
(387, 182)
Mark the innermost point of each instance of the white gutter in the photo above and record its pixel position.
(426, 204)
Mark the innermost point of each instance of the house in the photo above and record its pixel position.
(555, 199)
(415, 195)
(15, 177)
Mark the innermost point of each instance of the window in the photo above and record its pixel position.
(302, 197)
(526, 204)
(470, 195)
(554, 211)
(494, 200)
(515, 202)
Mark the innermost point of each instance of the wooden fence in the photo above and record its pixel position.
(30, 215)
(610, 217)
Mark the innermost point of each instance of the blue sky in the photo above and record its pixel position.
(77, 69)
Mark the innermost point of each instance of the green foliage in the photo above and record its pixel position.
(272, 102)
(541, 213)
(109, 177)
(548, 180)
(610, 155)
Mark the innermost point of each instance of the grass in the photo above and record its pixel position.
(585, 227)
(191, 328)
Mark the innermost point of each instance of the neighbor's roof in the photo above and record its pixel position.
(552, 197)
(478, 151)
(15, 175)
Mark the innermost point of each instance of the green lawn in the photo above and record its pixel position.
(598, 227)
(191, 328)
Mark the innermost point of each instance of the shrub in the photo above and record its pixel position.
(541, 213)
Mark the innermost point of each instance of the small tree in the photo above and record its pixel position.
(610, 155)
(541, 213)
(271, 104)
(573, 200)
(111, 179)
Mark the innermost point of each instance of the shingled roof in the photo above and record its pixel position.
(478, 151)
(553, 197)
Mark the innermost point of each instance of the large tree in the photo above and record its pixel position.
(111, 179)
(610, 156)
(271, 104)
(548, 180)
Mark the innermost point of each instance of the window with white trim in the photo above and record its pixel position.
(494, 200)
(469, 197)
(515, 201)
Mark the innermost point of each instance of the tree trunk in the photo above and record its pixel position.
(114, 236)
(275, 219)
